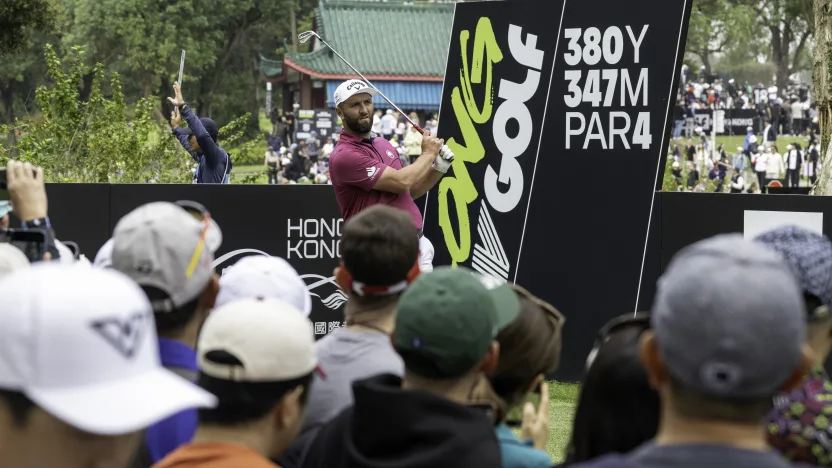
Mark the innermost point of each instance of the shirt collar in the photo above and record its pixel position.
(349, 136)
(177, 354)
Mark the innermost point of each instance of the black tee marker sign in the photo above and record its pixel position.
(558, 113)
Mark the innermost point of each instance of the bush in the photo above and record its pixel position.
(101, 139)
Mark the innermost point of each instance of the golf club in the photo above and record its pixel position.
(305, 36)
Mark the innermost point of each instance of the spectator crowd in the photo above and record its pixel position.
(145, 357)
(292, 160)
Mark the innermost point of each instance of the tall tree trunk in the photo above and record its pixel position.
(822, 92)
(7, 97)
(293, 18)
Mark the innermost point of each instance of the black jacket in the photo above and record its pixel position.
(393, 428)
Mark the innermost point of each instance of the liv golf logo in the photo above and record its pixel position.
(508, 170)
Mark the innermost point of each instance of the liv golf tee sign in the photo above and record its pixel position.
(557, 111)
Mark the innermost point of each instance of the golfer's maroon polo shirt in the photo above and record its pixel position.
(355, 165)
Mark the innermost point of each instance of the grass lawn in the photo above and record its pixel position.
(732, 142)
(562, 400)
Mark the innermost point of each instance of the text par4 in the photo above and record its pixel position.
(606, 87)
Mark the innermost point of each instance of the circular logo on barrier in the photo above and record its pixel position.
(323, 287)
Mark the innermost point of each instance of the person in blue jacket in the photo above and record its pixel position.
(200, 141)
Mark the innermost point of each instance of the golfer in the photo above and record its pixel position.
(200, 141)
(366, 169)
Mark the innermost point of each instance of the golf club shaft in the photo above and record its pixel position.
(418, 128)
(181, 67)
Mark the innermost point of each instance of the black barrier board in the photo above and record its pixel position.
(558, 112)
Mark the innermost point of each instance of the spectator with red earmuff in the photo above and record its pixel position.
(379, 260)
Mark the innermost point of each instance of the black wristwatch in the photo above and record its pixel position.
(37, 223)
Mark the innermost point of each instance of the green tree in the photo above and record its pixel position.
(718, 27)
(101, 139)
(18, 18)
(789, 25)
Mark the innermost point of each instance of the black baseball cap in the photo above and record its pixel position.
(210, 127)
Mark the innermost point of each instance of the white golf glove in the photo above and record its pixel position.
(443, 160)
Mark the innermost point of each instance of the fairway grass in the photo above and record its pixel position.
(563, 397)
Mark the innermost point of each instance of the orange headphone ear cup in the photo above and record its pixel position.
(343, 278)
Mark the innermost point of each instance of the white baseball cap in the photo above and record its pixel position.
(261, 276)
(11, 259)
(81, 343)
(272, 339)
(104, 257)
(350, 88)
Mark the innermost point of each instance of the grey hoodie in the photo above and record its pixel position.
(347, 355)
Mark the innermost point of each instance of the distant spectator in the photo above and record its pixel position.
(617, 409)
(737, 182)
(272, 163)
(798, 425)
(258, 357)
(328, 147)
(413, 143)
(760, 162)
(200, 140)
(313, 146)
(388, 124)
(80, 376)
(445, 328)
(168, 252)
(727, 334)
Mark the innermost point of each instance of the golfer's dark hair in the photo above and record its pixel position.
(174, 321)
(20, 406)
(244, 402)
(617, 410)
(379, 246)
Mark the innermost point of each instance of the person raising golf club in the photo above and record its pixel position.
(366, 170)
(200, 141)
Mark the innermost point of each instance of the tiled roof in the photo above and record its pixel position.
(271, 68)
(383, 40)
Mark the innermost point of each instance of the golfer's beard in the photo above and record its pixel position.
(356, 126)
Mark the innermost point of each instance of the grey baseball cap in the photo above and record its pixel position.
(810, 257)
(728, 318)
(161, 245)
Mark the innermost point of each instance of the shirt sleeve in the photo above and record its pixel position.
(213, 154)
(357, 169)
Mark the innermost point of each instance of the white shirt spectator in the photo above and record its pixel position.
(761, 162)
(388, 123)
(797, 110)
(793, 157)
(376, 124)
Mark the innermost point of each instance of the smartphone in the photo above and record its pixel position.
(32, 242)
(515, 416)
